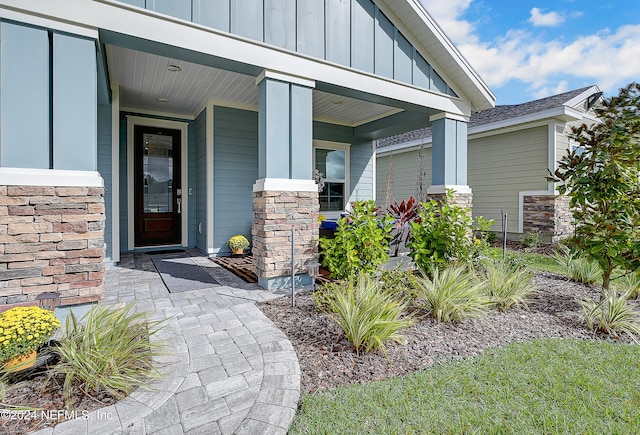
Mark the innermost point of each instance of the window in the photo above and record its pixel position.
(332, 160)
(575, 146)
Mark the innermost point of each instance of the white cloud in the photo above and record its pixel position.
(562, 86)
(447, 15)
(539, 18)
(607, 57)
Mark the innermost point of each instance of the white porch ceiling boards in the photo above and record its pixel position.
(143, 78)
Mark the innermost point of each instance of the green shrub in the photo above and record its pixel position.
(612, 315)
(451, 294)
(578, 268)
(507, 285)
(361, 243)
(109, 349)
(368, 315)
(398, 282)
(443, 234)
(491, 237)
(530, 239)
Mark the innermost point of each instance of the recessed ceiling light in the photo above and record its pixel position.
(338, 102)
(163, 100)
(173, 68)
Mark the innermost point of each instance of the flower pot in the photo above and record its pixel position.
(20, 362)
(237, 251)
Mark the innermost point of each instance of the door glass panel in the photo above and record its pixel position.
(157, 168)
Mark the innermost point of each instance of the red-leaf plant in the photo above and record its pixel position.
(403, 213)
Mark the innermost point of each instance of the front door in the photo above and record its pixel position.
(158, 202)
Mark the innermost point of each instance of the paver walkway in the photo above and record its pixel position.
(231, 370)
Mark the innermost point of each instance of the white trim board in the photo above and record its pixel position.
(115, 173)
(132, 121)
(210, 186)
(49, 178)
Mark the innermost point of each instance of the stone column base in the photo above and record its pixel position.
(462, 196)
(51, 240)
(275, 213)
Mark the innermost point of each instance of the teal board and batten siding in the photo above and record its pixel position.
(235, 170)
(362, 162)
(191, 180)
(354, 33)
(105, 168)
(503, 165)
(200, 191)
(405, 168)
(48, 103)
(24, 101)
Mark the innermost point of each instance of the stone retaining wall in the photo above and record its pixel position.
(51, 240)
(548, 215)
(274, 213)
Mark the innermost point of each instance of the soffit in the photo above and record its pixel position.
(145, 82)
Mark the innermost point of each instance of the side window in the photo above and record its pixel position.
(333, 165)
(574, 146)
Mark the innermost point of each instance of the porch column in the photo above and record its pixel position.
(52, 207)
(284, 196)
(449, 158)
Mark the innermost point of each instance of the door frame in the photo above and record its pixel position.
(133, 121)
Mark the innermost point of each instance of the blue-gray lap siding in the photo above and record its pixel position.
(354, 33)
(235, 169)
(105, 169)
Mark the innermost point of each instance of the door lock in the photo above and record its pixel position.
(179, 205)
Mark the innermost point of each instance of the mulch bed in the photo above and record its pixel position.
(48, 402)
(328, 360)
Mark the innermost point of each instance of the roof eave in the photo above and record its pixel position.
(458, 70)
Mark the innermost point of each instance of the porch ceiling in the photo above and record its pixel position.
(145, 82)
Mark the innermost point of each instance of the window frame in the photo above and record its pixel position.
(334, 146)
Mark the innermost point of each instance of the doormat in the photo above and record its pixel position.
(241, 265)
(181, 274)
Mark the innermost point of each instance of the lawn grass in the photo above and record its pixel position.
(537, 262)
(546, 386)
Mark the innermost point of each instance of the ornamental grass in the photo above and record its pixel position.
(110, 350)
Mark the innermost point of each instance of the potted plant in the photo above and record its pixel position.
(22, 331)
(238, 244)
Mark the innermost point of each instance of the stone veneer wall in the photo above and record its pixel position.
(460, 199)
(548, 215)
(274, 213)
(51, 240)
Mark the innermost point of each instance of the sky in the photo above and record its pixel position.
(525, 50)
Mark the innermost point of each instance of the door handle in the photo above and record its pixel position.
(179, 205)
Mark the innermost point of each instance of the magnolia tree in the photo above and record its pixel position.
(602, 180)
